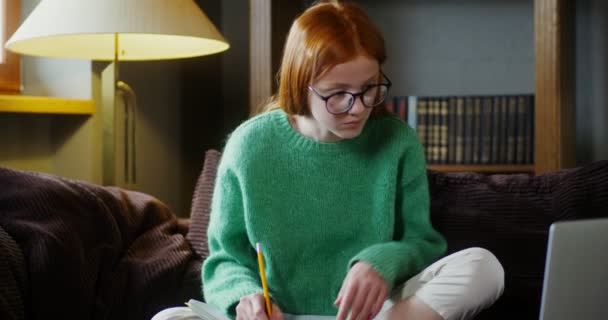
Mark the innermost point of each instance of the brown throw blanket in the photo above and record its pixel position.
(89, 252)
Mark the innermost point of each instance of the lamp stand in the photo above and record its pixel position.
(111, 142)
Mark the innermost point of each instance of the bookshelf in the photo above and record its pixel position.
(552, 84)
(45, 105)
(485, 168)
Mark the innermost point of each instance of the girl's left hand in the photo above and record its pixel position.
(363, 293)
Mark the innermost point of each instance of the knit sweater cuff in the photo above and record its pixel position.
(382, 261)
(229, 299)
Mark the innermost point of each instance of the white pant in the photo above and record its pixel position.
(457, 287)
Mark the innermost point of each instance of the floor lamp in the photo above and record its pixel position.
(118, 30)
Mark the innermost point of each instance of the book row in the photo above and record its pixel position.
(471, 129)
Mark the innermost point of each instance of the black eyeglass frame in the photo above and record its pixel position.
(354, 96)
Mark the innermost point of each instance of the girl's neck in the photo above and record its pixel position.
(306, 126)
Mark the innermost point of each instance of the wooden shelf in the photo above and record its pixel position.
(484, 168)
(45, 105)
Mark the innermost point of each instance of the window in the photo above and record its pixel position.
(10, 12)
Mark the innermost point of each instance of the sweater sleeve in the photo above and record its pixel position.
(229, 272)
(416, 244)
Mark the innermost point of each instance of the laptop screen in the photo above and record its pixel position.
(575, 284)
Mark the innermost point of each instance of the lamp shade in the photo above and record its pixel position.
(141, 29)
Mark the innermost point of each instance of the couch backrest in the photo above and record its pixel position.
(510, 215)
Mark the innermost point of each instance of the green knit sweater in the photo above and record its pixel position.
(316, 208)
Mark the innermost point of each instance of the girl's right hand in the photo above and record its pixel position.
(253, 307)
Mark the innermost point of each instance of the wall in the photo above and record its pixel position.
(158, 147)
(235, 64)
(25, 142)
(443, 47)
(29, 141)
(591, 80)
(214, 91)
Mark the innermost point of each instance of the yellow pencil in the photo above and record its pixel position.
(263, 277)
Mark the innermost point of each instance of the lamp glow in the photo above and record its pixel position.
(117, 30)
(86, 29)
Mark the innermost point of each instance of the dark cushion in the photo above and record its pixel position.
(510, 214)
(201, 204)
(13, 279)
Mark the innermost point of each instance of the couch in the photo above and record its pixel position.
(75, 250)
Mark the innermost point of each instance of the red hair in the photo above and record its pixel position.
(325, 35)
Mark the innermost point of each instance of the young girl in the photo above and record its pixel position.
(336, 193)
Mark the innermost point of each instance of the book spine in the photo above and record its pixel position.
(443, 126)
(460, 130)
(451, 130)
(511, 129)
(520, 130)
(475, 135)
(503, 134)
(436, 130)
(412, 102)
(402, 108)
(468, 130)
(530, 130)
(486, 130)
(390, 104)
(495, 154)
(422, 124)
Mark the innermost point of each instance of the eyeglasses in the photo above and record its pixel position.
(341, 102)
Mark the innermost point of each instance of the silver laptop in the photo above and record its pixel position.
(576, 271)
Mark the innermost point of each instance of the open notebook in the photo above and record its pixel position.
(197, 310)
